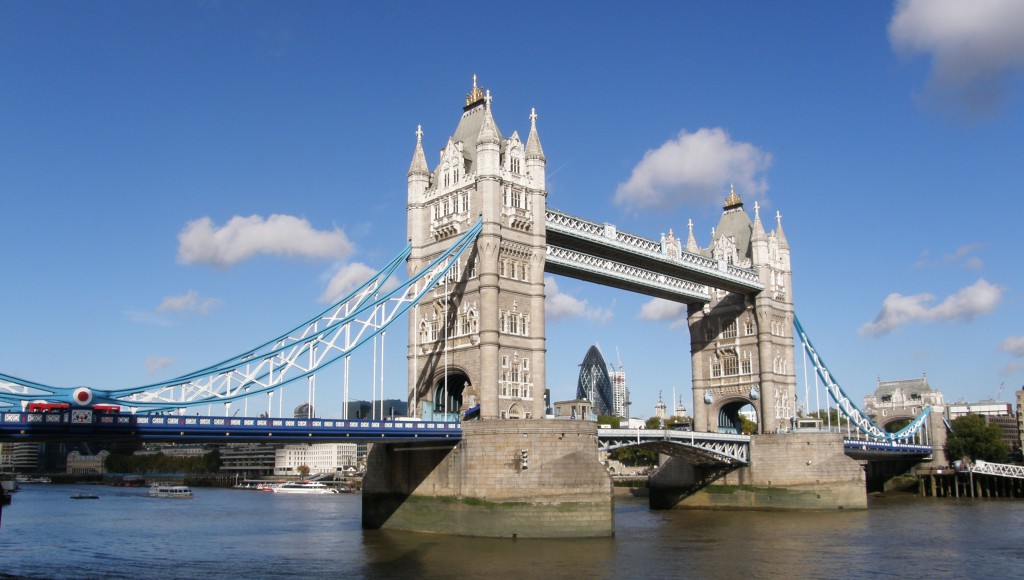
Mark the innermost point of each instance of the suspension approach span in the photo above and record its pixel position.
(847, 407)
(324, 339)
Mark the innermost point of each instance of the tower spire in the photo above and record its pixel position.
(488, 130)
(783, 242)
(759, 233)
(691, 242)
(419, 160)
(533, 148)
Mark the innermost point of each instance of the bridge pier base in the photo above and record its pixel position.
(506, 478)
(793, 471)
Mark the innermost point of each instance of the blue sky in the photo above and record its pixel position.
(183, 180)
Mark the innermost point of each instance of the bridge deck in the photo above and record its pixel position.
(60, 426)
(694, 446)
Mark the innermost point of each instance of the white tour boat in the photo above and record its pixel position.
(164, 490)
(307, 487)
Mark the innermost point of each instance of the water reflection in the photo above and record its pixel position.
(240, 534)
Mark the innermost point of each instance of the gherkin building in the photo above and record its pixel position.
(595, 385)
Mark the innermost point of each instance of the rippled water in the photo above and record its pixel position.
(245, 534)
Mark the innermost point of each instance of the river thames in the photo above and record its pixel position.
(225, 533)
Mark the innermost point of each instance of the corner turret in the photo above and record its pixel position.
(488, 143)
(536, 163)
(419, 173)
(758, 240)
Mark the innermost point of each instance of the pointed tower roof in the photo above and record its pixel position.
(533, 148)
(691, 242)
(759, 233)
(783, 242)
(468, 131)
(419, 160)
(488, 130)
(735, 223)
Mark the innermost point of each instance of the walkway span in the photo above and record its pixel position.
(600, 253)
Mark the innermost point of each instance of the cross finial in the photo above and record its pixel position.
(419, 133)
(474, 80)
(778, 217)
(689, 224)
(533, 116)
(487, 97)
(757, 214)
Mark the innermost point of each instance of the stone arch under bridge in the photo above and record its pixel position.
(728, 413)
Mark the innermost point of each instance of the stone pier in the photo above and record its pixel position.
(787, 471)
(506, 478)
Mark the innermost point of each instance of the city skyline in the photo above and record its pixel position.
(184, 180)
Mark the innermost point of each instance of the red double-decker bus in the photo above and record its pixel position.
(44, 407)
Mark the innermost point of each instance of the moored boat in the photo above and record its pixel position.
(164, 490)
(304, 487)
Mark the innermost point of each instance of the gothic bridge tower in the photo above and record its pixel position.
(478, 338)
(741, 344)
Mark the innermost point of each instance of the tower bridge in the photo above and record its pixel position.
(480, 239)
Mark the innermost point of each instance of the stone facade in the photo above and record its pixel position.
(1020, 418)
(787, 471)
(506, 478)
(478, 338)
(901, 400)
(741, 345)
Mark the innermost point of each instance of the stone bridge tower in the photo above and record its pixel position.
(478, 338)
(742, 345)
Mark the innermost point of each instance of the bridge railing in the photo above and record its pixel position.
(1000, 469)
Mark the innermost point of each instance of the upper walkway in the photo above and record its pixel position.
(600, 253)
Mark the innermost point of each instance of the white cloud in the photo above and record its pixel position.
(661, 309)
(201, 242)
(973, 263)
(964, 256)
(188, 302)
(1013, 345)
(973, 45)
(967, 304)
(156, 363)
(1013, 367)
(350, 276)
(558, 305)
(695, 167)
